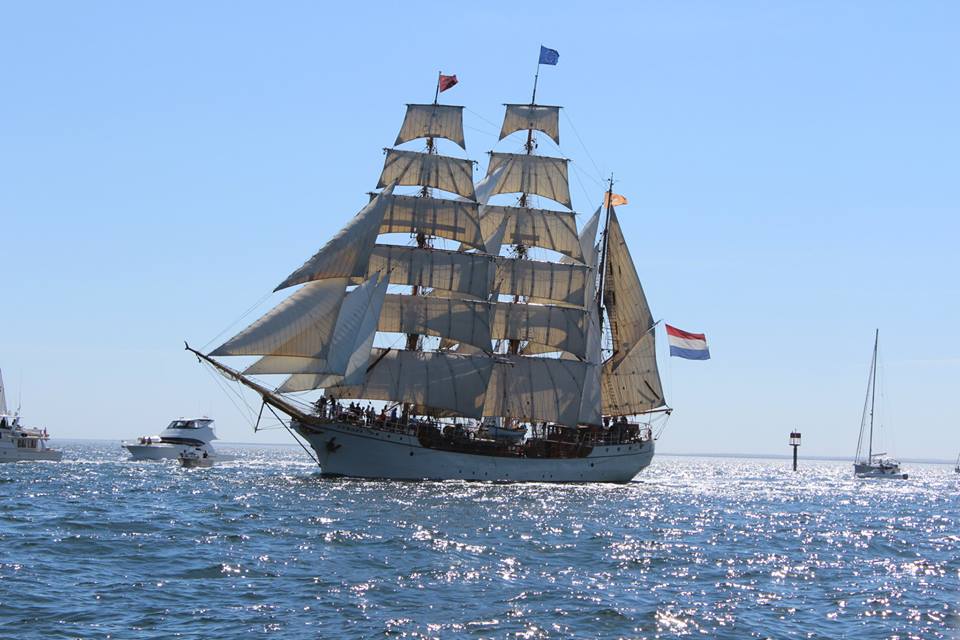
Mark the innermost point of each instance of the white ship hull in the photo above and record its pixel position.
(363, 452)
(877, 471)
(162, 451)
(17, 454)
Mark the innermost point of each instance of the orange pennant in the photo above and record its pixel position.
(614, 200)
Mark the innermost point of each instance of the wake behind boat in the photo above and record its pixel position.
(497, 315)
(180, 436)
(873, 465)
(18, 442)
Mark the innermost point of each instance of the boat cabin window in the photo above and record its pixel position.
(183, 424)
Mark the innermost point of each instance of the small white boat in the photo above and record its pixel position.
(495, 430)
(195, 457)
(180, 436)
(19, 443)
(873, 465)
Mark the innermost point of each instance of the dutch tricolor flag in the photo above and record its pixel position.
(683, 344)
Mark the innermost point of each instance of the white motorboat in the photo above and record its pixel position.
(20, 443)
(181, 436)
(873, 465)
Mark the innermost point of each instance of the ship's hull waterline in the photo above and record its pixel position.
(346, 450)
(15, 454)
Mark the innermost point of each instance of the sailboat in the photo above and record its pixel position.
(486, 363)
(873, 465)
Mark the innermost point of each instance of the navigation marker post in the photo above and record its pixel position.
(795, 443)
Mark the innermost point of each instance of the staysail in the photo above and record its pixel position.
(348, 252)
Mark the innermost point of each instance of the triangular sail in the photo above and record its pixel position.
(3, 396)
(540, 175)
(519, 117)
(352, 337)
(347, 253)
(432, 121)
(302, 325)
(412, 168)
(630, 378)
(591, 403)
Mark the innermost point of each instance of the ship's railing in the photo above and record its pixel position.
(615, 434)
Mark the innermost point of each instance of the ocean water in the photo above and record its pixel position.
(98, 547)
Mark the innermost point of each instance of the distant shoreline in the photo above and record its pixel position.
(670, 454)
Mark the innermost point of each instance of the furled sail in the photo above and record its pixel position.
(432, 121)
(536, 389)
(301, 325)
(554, 230)
(437, 380)
(562, 328)
(452, 219)
(547, 281)
(348, 252)
(630, 378)
(465, 321)
(412, 168)
(465, 273)
(541, 175)
(531, 116)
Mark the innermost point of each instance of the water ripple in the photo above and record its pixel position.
(97, 546)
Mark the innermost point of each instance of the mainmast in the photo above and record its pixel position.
(519, 248)
(424, 241)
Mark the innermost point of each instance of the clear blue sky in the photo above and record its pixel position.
(792, 170)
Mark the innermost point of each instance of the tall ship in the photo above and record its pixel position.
(463, 331)
(870, 463)
(18, 442)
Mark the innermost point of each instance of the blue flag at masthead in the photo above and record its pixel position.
(548, 56)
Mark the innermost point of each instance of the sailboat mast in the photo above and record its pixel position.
(873, 391)
(603, 253)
